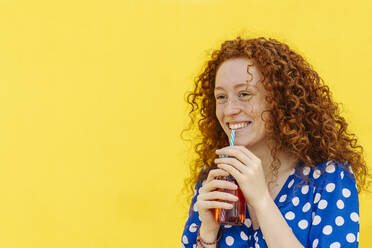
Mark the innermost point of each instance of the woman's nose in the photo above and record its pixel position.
(232, 107)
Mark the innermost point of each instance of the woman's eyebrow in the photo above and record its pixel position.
(235, 86)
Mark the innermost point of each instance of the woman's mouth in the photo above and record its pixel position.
(239, 126)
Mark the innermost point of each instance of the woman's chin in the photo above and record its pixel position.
(241, 143)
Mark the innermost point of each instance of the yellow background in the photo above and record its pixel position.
(92, 105)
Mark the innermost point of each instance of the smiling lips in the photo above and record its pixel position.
(239, 125)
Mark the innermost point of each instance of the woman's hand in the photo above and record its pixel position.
(209, 197)
(247, 170)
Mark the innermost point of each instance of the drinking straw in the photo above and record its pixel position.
(232, 138)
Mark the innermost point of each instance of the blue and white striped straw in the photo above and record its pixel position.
(232, 137)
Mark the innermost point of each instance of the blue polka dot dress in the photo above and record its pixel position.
(323, 212)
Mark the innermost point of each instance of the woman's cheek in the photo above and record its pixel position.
(254, 110)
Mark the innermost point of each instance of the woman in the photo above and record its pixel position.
(293, 159)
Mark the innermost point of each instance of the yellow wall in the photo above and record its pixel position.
(91, 106)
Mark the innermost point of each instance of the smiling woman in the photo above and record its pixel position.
(295, 162)
(240, 103)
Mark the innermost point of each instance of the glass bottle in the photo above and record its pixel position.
(236, 215)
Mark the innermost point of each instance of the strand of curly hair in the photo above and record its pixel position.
(305, 119)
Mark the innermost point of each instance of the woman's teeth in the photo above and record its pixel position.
(239, 125)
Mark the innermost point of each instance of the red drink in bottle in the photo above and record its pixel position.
(236, 215)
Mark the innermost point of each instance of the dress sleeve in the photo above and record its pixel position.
(190, 230)
(335, 218)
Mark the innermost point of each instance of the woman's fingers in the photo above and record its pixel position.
(217, 195)
(215, 173)
(209, 197)
(212, 183)
(222, 184)
(212, 204)
(232, 161)
(214, 200)
(248, 153)
(232, 170)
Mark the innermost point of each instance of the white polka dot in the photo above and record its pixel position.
(185, 239)
(354, 217)
(327, 230)
(229, 240)
(306, 170)
(305, 189)
(291, 183)
(350, 237)
(302, 224)
(346, 193)
(322, 204)
(316, 198)
(339, 221)
(330, 168)
(306, 207)
(340, 204)
(255, 236)
(289, 215)
(192, 227)
(194, 246)
(358, 236)
(342, 175)
(227, 226)
(335, 245)
(316, 174)
(295, 201)
(248, 222)
(183, 246)
(243, 235)
(257, 245)
(195, 208)
(351, 169)
(293, 171)
(316, 220)
(330, 187)
(282, 198)
(315, 243)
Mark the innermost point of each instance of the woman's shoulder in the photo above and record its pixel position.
(334, 168)
(334, 172)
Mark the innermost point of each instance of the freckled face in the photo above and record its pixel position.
(240, 99)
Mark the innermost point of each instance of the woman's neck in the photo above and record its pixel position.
(287, 161)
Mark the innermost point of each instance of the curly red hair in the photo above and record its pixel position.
(304, 119)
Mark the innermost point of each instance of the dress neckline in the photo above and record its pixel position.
(283, 191)
(285, 188)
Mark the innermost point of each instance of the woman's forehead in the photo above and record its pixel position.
(235, 72)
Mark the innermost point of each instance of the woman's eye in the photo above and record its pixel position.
(220, 97)
(244, 94)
